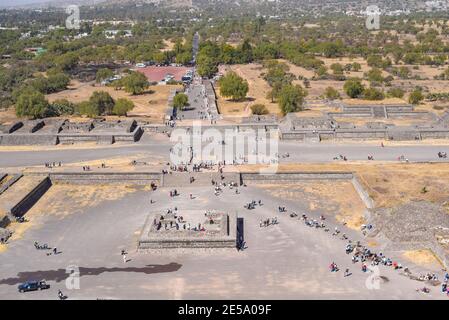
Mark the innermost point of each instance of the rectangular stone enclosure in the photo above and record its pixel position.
(177, 230)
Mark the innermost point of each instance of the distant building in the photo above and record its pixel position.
(37, 51)
(112, 34)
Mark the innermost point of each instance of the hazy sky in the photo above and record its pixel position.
(6, 3)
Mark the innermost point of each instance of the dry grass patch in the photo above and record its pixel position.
(62, 200)
(151, 105)
(8, 116)
(388, 184)
(258, 90)
(424, 258)
(330, 197)
(386, 101)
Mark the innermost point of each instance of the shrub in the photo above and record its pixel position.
(259, 109)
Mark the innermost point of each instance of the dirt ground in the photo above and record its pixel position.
(389, 185)
(325, 196)
(424, 258)
(115, 164)
(258, 89)
(151, 105)
(64, 199)
(8, 116)
(386, 101)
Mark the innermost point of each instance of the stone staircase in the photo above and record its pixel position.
(312, 137)
(379, 112)
(7, 181)
(182, 179)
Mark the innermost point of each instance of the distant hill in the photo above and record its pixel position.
(36, 4)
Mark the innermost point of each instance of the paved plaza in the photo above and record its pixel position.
(287, 260)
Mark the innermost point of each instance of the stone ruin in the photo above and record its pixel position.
(426, 125)
(53, 131)
(188, 229)
(269, 118)
(413, 226)
(312, 123)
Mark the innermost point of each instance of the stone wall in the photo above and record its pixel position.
(71, 138)
(255, 178)
(10, 182)
(31, 198)
(89, 178)
(364, 195)
(48, 132)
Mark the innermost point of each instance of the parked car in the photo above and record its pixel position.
(33, 286)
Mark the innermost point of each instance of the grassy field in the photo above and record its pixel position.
(388, 184)
(150, 105)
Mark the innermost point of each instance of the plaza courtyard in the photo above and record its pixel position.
(91, 224)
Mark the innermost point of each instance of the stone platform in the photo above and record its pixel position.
(197, 230)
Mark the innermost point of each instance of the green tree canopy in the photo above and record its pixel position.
(135, 83)
(354, 87)
(331, 93)
(416, 96)
(103, 74)
(180, 101)
(31, 103)
(234, 86)
(122, 106)
(373, 94)
(259, 109)
(102, 102)
(291, 98)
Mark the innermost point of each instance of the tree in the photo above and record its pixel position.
(356, 66)
(87, 108)
(135, 83)
(373, 94)
(57, 82)
(183, 58)
(246, 52)
(396, 93)
(259, 109)
(61, 107)
(332, 49)
(278, 73)
(291, 98)
(354, 87)
(67, 62)
(337, 68)
(234, 86)
(102, 102)
(274, 92)
(206, 66)
(331, 93)
(416, 96)
(122, 106)
(375, 75)
(180, 101)
(103, 74)
(31, 103)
